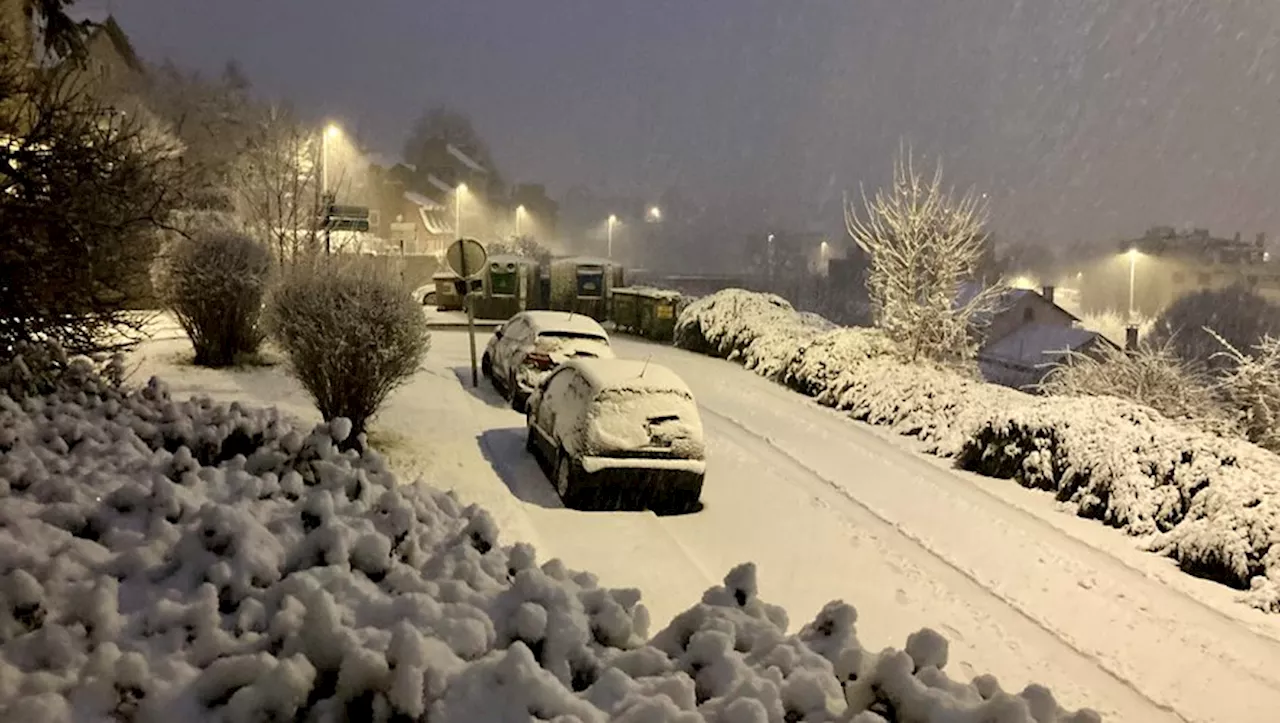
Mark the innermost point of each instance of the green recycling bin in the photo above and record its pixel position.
(646, 312)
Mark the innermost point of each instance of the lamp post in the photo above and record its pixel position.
(519, 213)
(655, 214)
(457, 208)
(613, 221)
(331, 131)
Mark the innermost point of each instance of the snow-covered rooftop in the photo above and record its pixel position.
(629, 374)
(1033, 344)
(466, 160)
(423, 201)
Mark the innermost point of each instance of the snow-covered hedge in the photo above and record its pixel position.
(184, 560)
(1210, 502)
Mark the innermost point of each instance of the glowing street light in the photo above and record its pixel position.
(331, 132)
(457, 208)
(613, 221)
(520, 212)
(655, 214)
(1133, 273)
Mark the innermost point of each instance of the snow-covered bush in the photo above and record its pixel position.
(1154, 376)
(167, 560)
(34, 369)
(352, 336)
(1211, 502)
(762, 331)
(214, 281)
(1237, 314)
(1251, 385)
(815, 366)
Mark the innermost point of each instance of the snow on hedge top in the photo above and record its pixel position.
(164, 560)
(550, 322)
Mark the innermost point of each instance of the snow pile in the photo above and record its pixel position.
(165, 560)
(1208, 501)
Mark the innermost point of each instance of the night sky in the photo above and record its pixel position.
(1081, 118)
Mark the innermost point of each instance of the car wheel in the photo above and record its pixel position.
(530, 443)
(486, 366)
(564, 476)
(519, 402)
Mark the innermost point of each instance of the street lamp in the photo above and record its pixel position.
(824, 250)
(519, 213)
(1133, 272)
(331, 132)
(655, 214)
(613, 221)
(457, 208)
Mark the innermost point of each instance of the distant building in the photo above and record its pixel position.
(1164, 265)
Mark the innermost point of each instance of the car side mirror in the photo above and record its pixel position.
(497, 334)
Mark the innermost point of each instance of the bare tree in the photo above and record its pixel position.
(924, 243)
(278, 185)
(84, 190)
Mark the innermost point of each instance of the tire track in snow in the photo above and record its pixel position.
(922, 547)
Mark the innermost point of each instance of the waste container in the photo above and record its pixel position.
(646, 312)
(584, 285)
(626, 310)
(511, 283)
(447, 296)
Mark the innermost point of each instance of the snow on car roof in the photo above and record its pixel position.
(564, 321)
(629, 374)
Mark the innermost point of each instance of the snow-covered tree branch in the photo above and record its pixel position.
(924, 243)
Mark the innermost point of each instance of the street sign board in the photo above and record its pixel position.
(346, 218)
(466, 257)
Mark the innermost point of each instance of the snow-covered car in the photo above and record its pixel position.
(531, 344)
(619, 434)
(425, 295)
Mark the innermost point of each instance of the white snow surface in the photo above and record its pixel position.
(564, 321)
(1210, 503)
(830, 508)
(190, 560)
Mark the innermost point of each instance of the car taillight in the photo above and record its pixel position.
(539, 360)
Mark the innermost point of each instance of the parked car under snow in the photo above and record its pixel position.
(619, 434)
(531, 344)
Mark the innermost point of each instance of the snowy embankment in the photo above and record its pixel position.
(1211, 503)
(170, 560)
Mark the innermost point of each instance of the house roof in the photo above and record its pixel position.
(439, 184)
(464, 159)
(1031, 345)
(114, 34)
(422, 201)
(1007, 299)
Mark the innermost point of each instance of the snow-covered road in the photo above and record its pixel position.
(831, 509)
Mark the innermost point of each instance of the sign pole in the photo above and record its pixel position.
(471, 314)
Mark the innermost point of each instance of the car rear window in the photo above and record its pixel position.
(620, 421)
(570, 335)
